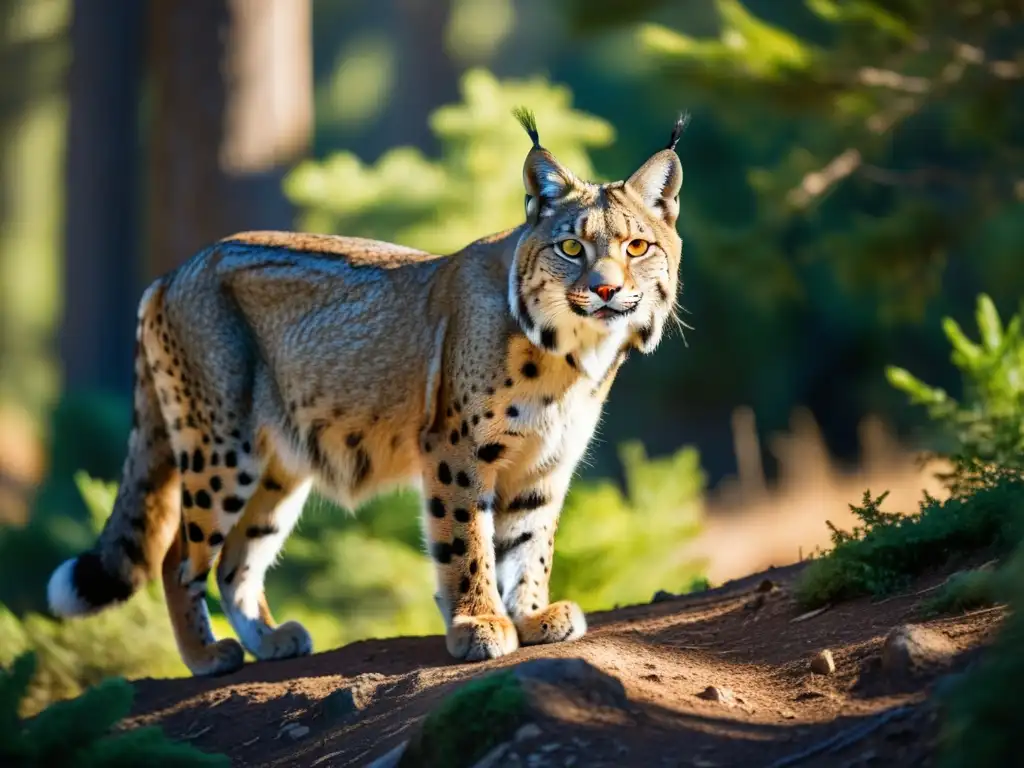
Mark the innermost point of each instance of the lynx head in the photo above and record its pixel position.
(596, 259)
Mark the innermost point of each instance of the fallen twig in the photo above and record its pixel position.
(810, 614)
(842, 739)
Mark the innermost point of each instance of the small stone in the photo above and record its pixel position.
(662, 596)
(550, 747)
(714, 693)
(823, 663)
(528, 731)
(767, 585)
(787, 714)
(297, 732)
(911, 649)
(570, 761)
(757, 601)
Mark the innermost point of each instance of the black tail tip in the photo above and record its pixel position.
(83, 585)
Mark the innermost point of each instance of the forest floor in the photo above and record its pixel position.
(747, 639)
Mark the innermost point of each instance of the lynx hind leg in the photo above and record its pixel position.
(524, 546)
(250, 549)
(202, 653)
(212, 445)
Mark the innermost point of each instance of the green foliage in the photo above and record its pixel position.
(965, 591)
(888, 550)
(981, 728)
(614, 548)
(867, 137)
(472, 190)
(986, 428)
(61, 522)
(986, 434)
(469, 722)
(134, 640)
(80, 731)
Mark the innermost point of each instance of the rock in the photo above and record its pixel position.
(564, 681)
(767, 585)
(823, 663)
(714, 693)
(910, 650)
(515, 704)
(351, 699)
(662, 596)
(297, 732)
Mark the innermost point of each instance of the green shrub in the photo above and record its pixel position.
(889, 550)
(981, 726)
(134, 640)
(983, 434)
(472, 190)
(79, 732)
(616, 549)
(983, 438)
(966, 591)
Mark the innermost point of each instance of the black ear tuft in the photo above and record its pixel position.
(529, 123)
(677, 131)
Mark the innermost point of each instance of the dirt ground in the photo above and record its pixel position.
(747, 637)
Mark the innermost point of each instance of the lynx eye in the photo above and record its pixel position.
(637, 247)
(571, 248)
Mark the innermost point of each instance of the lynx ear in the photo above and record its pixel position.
(544, 178)
(659, 179)
(658, 182)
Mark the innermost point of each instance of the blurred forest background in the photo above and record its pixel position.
(853, 173)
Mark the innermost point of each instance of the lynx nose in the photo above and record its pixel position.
(605, 291)
(606, 279)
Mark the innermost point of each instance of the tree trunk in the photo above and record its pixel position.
(101, 242)
(232, 112)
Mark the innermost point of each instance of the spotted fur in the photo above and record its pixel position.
(271, 363)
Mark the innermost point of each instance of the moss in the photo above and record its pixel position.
(469, 722)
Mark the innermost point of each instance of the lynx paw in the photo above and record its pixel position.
(558, 623)
(288, 641)
(220, 658)
(476, 638)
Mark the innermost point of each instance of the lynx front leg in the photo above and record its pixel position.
(524, 543)
(459, 522)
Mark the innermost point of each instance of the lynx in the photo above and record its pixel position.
(272, 363)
